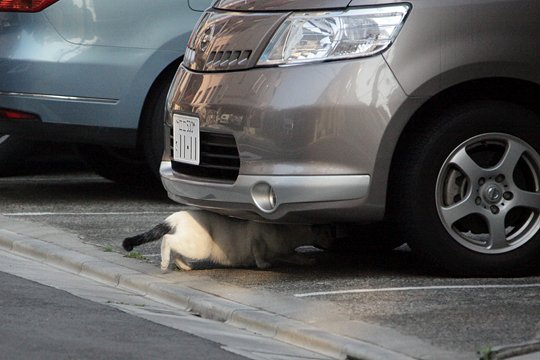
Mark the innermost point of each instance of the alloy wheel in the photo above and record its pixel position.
(488, 193)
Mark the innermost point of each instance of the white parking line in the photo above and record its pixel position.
(417, 288)
(85, 213)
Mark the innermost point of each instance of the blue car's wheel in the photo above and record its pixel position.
(125, 166)
(141, 165)
(13, 150)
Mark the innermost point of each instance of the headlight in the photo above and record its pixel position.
(318, 36)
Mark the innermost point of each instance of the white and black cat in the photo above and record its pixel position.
(201, 235)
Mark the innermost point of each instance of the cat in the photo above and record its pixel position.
(202, 235)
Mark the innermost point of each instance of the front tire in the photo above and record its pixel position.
(124, 166)
(152, 125)
(13, 151)
(465, 191)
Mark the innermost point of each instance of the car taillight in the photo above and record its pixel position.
(25, 5)
(17, 115)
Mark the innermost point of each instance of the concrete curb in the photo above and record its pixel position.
(204, 304)
(523, 351)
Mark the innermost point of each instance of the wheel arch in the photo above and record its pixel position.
(402, 133)
(517, 91)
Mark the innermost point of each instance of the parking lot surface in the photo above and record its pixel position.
(390, 293)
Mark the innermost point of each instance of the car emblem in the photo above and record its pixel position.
(493, 194)
(206, 38)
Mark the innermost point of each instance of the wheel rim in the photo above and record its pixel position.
(488, 193)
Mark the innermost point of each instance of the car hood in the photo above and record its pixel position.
(279, 5)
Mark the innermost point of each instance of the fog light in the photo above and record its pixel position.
(264, 197)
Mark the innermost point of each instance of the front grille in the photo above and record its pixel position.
(227, 59)
(219, 156)
(220, 60)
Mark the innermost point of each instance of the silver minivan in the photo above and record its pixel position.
(423, 115)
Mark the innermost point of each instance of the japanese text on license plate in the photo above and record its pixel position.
(186, 136)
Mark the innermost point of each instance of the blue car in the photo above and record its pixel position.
(91, 72)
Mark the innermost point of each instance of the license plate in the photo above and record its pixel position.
(186, 137)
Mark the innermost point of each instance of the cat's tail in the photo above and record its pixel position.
(154, 234)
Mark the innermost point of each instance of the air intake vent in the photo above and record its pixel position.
(220, 160)
(227, 59)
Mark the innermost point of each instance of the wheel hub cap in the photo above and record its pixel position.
(492, 194)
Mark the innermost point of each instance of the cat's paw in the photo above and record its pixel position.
(164, 268)
(181, 264)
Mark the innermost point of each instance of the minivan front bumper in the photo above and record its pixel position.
(307, 137)
(294, 196)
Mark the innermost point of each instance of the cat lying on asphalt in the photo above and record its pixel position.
(201, 235)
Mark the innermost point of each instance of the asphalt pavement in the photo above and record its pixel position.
(40, 322)
(50, 313)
